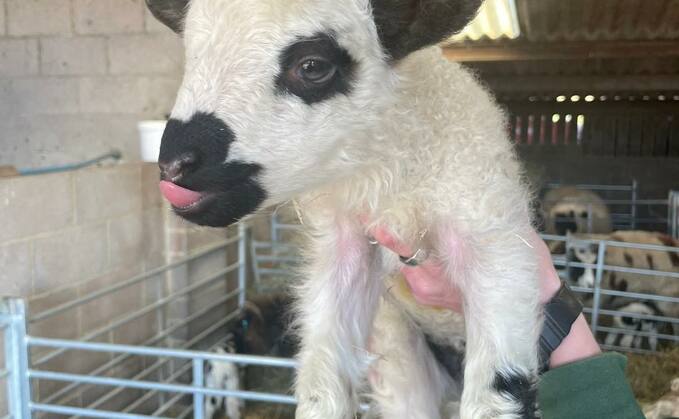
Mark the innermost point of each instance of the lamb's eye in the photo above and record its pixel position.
(316, 70)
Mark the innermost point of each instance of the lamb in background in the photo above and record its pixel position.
(223, 376)
(347, 108)
(568, 209)
(586, 252)
(262, 328)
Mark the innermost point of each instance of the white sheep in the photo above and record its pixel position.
(568, 209)
(222, 375)
(347, 108)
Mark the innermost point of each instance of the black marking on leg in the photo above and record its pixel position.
(628, 259)
(449, 358)
(670, 242)
(521, 389)
(649, 259)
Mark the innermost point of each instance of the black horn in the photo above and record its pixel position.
(170, 12)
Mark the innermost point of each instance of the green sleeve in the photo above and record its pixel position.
(594, 388)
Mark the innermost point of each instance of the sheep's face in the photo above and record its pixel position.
(274, 94)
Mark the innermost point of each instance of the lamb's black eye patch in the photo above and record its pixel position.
(327, 56)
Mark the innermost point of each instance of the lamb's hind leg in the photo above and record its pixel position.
(406, 380)
(336, 306)
(502, 320)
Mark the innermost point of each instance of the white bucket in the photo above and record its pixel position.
(150, 134)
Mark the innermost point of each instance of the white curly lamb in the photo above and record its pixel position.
(346, 107)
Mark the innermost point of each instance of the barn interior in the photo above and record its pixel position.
(590, 88)
(91, 254)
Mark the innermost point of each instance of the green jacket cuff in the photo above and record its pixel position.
(594, 388)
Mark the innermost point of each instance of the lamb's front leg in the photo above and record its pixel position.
(501, 297)
(336, 307)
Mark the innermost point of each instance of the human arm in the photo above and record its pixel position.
(582, 383)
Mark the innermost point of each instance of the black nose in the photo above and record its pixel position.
(190, 146)
(175, 169)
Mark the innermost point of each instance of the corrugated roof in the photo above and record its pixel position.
(585, 20)
(496, 19)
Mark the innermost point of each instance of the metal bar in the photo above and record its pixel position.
(161, 289)
(122, 357)
(186, 412)
(134, 280)
(242, 233)
(16, 359)
(673, 214)
(275, 272)
(597, 287)
(649, 272)
(159, 364)
(594, 187)
(633, 209)
(640, 296)
(634, 315)
(180, 371)
(68, 410)
(169, 388)
(627, 294)
(276, 246)
(162, 352)
(660, 336)
(624, 244)
(623, 349)
(145, 310)
(616, 268)
(173, 401)
(198, 398)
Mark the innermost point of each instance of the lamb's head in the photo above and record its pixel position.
(277, 92)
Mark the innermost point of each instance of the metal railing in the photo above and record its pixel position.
(673, 214)
(19, 375)
(168, 374)
(181, 391)
(275, 259)
(624, 202)
(595, 296)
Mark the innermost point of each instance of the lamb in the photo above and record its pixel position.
(260, 329)
(568, 209)
(223, 375)
(348, 108)
(665, 261)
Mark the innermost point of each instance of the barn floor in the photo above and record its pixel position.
(274, 380)
(650, 375)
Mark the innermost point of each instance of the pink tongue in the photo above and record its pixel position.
(178, 196)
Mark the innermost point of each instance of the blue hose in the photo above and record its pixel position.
(113, 154)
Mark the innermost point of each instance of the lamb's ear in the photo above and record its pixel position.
(170, 12)
(405, 26)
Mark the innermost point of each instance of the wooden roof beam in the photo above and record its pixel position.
(559, 85)
(574, 50)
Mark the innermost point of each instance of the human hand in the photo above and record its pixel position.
(430, 287)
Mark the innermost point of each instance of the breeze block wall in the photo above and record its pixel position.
(66, 235)
(77, 75)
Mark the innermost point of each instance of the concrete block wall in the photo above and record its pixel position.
(67, 235)
(77, 75)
